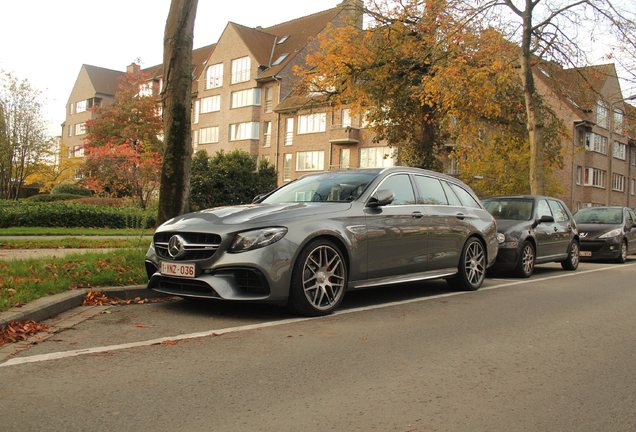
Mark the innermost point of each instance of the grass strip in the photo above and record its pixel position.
(43, 231)
(26, 280)
(75, 243)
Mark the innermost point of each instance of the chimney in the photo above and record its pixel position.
(133, 67)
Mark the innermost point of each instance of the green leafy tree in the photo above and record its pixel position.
(228, 179)
(23, 136)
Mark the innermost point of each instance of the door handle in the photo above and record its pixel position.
(556, 228)
(417, 215)
(460, 216)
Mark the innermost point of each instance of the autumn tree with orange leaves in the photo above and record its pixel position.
(123, 144)
(423, 77)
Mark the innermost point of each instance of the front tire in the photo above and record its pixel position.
(525, 265)
(623, 255)
(319, 279)
(572, 261)
(472, 267)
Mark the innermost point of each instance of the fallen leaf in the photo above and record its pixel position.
(140, 325)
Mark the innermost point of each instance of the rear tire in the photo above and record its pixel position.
(472, 267)
(319, 279)
(525, 265)
(572, 261)
(623, 255)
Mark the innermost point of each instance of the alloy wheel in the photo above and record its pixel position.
(323, 277)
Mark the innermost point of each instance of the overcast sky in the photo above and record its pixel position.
(47, 41)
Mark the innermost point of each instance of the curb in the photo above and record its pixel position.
(46, 307)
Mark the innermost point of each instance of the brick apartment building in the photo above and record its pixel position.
(243, 98)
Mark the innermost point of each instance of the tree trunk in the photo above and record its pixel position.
(174, 190)
(533, 109)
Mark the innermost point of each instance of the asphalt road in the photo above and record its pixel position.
(552, 353)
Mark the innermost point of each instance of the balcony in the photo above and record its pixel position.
(346, 135)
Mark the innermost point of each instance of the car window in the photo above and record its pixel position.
(466, 198)
(543, 209)
(599, 216)
(510, 208)
(450, 195)
(559, 212)
(327, 187)
(430, 190)
(632, 216)
(400, 185)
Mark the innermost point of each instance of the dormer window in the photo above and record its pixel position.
(280, 59)
(602, 115)
(283, 39)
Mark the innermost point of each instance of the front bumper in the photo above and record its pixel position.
(603, 249)
(507, 259)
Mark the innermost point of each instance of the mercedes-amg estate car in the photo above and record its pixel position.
(311, 240)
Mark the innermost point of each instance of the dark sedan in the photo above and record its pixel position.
(532, 230)
(607, 233)
(309, 241)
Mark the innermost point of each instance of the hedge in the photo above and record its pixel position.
(72, 215)
(52, 198)
(68, 188)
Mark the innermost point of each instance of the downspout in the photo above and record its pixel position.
(280, 84)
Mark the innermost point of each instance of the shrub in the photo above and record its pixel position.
(228, 179)
(52, 198)
(68, 188)
(68, 214)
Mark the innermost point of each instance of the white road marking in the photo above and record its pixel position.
(219, 332)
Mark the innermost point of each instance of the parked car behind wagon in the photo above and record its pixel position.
(607, 233)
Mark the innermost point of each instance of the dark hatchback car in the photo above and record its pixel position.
(607, 233)
(309, 241)
(532, 230)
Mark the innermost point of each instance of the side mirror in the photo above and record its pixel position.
(542, 219)
(381, 198)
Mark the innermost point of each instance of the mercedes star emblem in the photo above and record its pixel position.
(175, 246)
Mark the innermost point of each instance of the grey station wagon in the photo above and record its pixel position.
(311, 240)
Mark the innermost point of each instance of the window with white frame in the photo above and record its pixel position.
(594, 177)
(80, 128)
(345, 157)
(214, 76)
(633, 191)
(246, 98)
(618, 121)
(287, 167)
(618, 182)
(596, 142)
(80, 106)
(195, 139)
(70, 130)
(602, 114)
(341, 118)
(210, 104)
(376, 157)
(289, 131)
(579, 174)
(78, 151)
(241, 70)
(243, 131)
(268, 105)
(267, 134)
(310, 161)
(70, 108)
(633, 156)
(209, 135)
(197, 105)
(620, 150)
(312, 123)
(145, 89)
(280, 59)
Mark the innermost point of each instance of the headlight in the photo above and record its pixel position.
(613, 233)
(250, 240)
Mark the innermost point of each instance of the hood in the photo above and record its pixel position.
(251, 215)
(589, 231)
(509, 225)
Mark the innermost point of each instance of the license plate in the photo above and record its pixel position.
(178, 269)
(585, 253)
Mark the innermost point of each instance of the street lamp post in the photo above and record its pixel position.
(610, 179)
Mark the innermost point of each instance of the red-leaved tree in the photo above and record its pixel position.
(123, 144)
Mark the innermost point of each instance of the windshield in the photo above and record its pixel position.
(600, 216)
(327, 187)
(513, 209)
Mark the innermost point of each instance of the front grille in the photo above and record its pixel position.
(184, 287)
(592, 246)
(197, 246)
